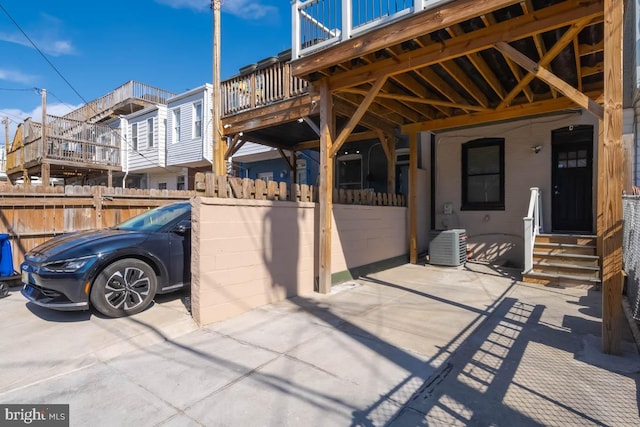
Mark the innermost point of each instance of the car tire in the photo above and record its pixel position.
(123, 288)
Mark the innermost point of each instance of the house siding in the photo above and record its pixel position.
(146, 157)
(190, 150)
(497, 235)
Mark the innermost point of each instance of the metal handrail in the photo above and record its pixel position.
(532, 227)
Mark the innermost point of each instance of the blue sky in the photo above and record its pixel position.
(97, 46)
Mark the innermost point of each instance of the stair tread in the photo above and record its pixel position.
(563, 245)
(561, 276)
(581, 236)
(574, 266)
(565, 255)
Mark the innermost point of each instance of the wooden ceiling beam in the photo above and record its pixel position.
(375, 110)
(540, 21)
(562, 42)
(551, 79)
(527, 6)
(413, 86)
(513, 112)
(481, 65)
(344, 108)
(576, 48)
(315, 143)
(465, 81)
(359, 113)
(417, 100)
(432, 78)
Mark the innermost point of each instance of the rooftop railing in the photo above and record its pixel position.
(129, 90)
(318, 24)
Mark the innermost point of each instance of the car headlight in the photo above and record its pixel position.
(67, 265)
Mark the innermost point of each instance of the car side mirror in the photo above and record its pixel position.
(183, 227)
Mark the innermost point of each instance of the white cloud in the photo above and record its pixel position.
(245, 9)
(47, 37)
(15, 76)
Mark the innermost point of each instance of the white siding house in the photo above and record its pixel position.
(146, 143)
(189, 141)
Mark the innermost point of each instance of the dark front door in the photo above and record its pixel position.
(572, 171)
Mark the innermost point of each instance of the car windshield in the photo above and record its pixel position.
(155, 219)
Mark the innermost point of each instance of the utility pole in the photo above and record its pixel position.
(6, 143)
(44, 167)
(218, 150)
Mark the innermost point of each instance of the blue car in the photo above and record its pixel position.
(119, 270)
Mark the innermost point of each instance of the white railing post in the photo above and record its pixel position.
(347, 20)
(295, 30)
(418, 5)
(532, 227)
(528, 244)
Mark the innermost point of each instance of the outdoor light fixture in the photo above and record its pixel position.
(300, 120)
(227, 126)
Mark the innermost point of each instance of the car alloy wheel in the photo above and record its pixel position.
(124, 287)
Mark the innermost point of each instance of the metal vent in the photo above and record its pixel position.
(448, 247)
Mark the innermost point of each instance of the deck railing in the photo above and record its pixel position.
(263, 86)
(67, 140)
(129, 90)
(532, 227)
(321, 23)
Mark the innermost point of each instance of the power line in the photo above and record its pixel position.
(117, 131)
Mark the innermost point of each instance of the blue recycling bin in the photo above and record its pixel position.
(6, 258)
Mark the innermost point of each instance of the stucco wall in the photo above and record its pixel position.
(247, 253)
(497, 236)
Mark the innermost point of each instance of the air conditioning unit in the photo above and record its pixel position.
(448, 247)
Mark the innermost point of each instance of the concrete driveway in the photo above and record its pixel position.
(413, 345)
(37, 343)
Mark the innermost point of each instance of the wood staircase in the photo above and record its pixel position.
(564, 260)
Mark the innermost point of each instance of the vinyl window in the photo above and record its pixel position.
(483, 174)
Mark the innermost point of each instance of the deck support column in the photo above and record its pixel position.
(45, 173)
(610, 158)
(109, 178)
(325, 196)
(413, 191)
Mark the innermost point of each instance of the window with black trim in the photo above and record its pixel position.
(483, 174)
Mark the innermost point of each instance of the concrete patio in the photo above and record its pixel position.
(412, 345)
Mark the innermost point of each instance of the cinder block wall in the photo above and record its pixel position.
(248, 253)
(363, 235)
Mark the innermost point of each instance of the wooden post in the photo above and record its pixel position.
(391, 165)
(218, 150)
(44, 168)
(610, 188)
(413, 209)
(326, 189)
(109, 178)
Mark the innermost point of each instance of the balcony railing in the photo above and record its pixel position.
(68, 141)
(259, 88)
(318, 24)
(129, 90)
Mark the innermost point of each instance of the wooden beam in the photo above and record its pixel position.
(543, 20)
(417, 100)
(314, 127)
(610, 188)
(551, 79)
(465, 82)
(360, 136)
(286, 158)
(345, 108)
(413, 198)
(513, 112)
(562, 42)
(348, 128)
(325, 195)
(398, 32)
(232, 146)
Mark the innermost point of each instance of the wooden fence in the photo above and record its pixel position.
(31, 215)
(244, 188)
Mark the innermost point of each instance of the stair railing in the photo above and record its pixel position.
(532, 227)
